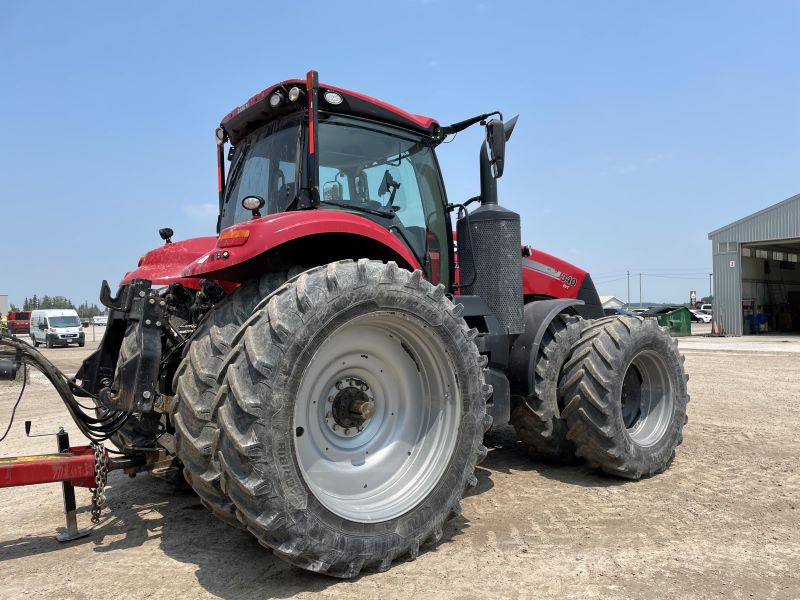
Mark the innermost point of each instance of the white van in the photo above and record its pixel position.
(56, 327)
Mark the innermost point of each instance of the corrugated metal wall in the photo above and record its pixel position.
(778, 222)
(728, 291)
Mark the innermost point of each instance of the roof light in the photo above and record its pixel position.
(275, 100)
(332, 97)
(220, 133)
(294, 94)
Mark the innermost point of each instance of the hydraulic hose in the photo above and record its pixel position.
(96, 427)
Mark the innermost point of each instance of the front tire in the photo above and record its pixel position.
(624, 394)
(352, 414)
(196, 386)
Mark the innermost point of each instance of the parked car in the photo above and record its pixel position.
(706, 308)
(56, 327)
(700, 317)
(100, 320)
(619, 311)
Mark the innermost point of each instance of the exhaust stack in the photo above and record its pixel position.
(489, 239)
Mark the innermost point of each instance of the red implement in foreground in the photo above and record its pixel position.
(75, 466)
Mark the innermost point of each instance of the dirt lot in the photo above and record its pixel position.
(723, 522)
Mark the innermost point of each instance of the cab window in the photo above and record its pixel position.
(390, 176)
(264, 164)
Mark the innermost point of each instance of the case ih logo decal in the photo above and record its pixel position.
(567, 280)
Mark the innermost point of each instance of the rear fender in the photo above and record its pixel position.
(309, 238)
(522, 358)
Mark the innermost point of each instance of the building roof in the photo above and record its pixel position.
(606, 299)
(779, 221)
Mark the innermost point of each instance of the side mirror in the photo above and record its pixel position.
(254, 204)
(42, 326)
(332, 191)
(496, 141)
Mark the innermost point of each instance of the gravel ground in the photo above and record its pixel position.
(723, 522)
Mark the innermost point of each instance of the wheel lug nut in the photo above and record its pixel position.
(347, 431)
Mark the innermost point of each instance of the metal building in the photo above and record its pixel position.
(756, 271)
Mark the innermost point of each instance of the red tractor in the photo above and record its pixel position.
(323, 371)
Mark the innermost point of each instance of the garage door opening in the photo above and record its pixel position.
(771, 287)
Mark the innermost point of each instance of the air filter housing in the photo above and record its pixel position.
(490, 262)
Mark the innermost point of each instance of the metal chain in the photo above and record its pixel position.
(100, 477)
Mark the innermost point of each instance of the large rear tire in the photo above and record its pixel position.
(352, 414)
(624, 394)
(196, 387)
(537, 418)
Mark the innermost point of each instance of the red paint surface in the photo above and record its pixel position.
(75, 466)
(187, 261)
(547, 281)
(164, 265)
(273, 230)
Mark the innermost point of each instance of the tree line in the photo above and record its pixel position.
(85, 310)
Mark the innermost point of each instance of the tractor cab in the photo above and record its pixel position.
(384, 173)
(300, 145)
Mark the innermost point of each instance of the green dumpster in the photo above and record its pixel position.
(677, 318)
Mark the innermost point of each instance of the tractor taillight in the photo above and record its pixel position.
(234, 237)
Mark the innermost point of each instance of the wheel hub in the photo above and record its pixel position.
(631, 397)
(352, 405)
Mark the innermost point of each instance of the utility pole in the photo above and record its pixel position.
(629, 290)
(640, 290)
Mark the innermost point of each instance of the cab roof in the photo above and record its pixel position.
(258, 111)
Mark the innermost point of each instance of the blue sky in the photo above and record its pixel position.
(644, 125)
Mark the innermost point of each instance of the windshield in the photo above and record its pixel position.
(263, 164)
(391, 177)
(68, 321)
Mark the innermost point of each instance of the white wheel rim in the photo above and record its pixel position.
(399, 455)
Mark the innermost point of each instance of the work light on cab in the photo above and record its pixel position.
(276, 99)
(254, 204)
(294, 94)
(332, 97)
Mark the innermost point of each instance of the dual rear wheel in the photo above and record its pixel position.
(612, 391)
